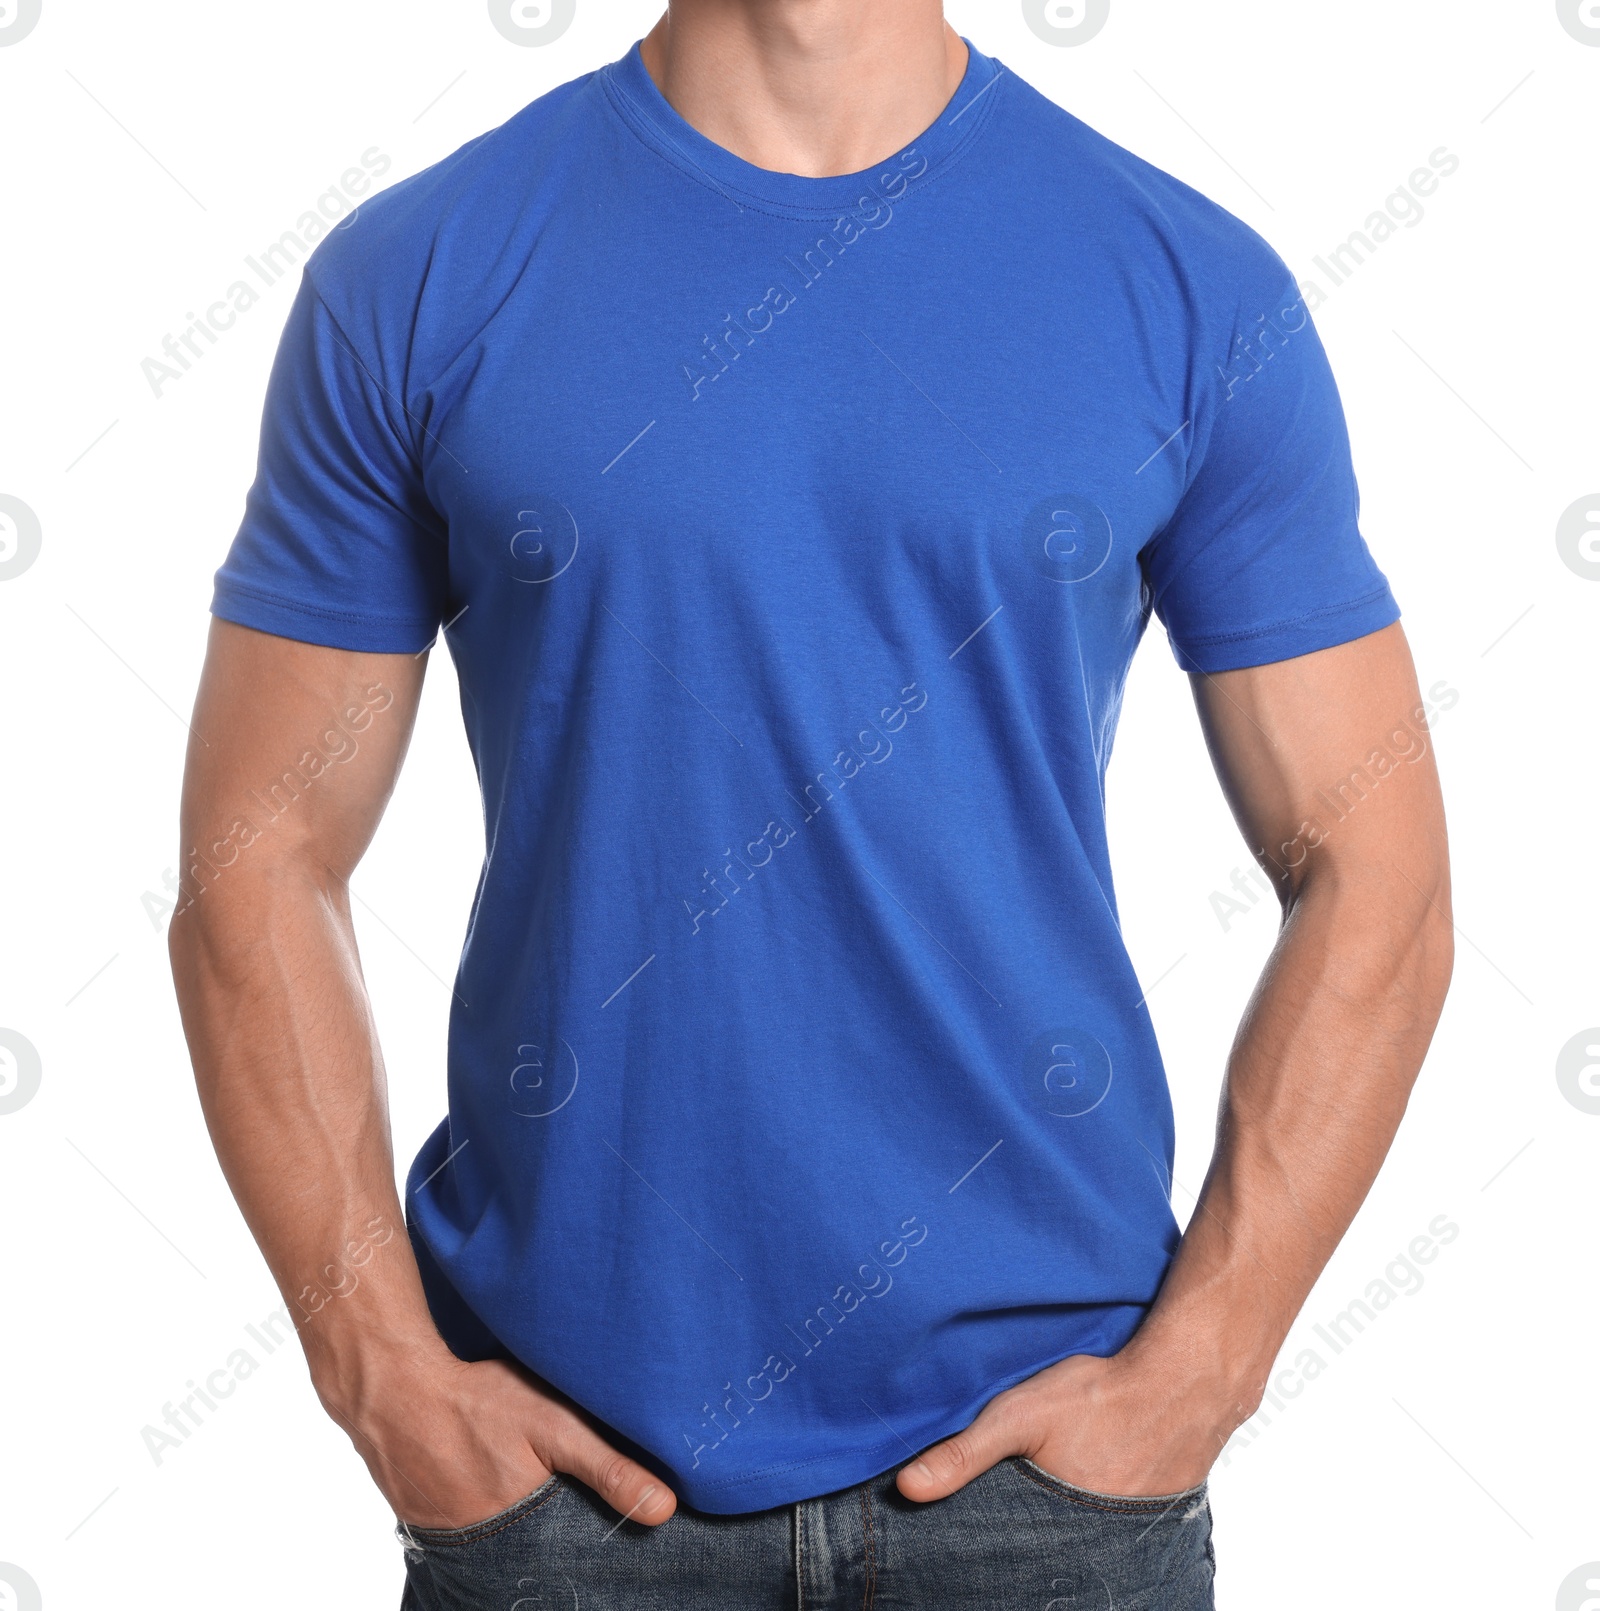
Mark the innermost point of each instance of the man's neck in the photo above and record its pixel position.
(813, 87)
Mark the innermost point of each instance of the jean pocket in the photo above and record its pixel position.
(1127, 1504)
(453, 1537)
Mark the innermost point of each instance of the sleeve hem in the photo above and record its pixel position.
(309, 623)
(1287, 640)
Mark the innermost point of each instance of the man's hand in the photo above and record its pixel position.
(1113, 1426)
(296, 750)
(1327, 764)
(451, 1444)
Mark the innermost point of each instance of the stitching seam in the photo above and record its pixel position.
(1156, 1504)
(794, 1465)
(871, 1557)
(799, 1557)
(655, 140)
(229, 586)
(526, 1508)
(1273, 627)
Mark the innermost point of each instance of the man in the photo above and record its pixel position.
(793, 427)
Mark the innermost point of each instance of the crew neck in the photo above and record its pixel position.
(633, 92)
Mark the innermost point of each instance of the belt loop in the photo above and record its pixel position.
(799, 1557)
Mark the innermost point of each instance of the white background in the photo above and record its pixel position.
(1447, 1456)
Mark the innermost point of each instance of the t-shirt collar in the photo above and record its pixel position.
(634, 93)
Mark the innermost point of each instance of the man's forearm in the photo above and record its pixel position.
(1315, 1089)
(1316, 1086)
(291, 1082)
(281, 796)
(287, 1061)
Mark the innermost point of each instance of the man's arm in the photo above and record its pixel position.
(296, 752)
(1316, 1085)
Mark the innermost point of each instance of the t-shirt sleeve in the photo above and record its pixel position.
(340, 545)
(1263, 558)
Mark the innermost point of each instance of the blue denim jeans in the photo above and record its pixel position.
(1016, 1536)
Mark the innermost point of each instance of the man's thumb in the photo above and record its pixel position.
(947, 1466)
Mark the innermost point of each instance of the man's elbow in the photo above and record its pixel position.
(1422, 909)
(1432, 952)
(1388, 920)
(227, 918)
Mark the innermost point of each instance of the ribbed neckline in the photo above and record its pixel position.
(647, 111)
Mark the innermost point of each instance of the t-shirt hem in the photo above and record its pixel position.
(310, 623)
(784, 1485)
(799, 1480)
(1287, 640)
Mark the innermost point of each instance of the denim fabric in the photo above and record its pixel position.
(1015, 1537)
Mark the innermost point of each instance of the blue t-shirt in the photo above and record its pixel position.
(792, 538)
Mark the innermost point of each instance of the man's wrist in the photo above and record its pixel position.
(1218, 1358)
(358, 1354)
